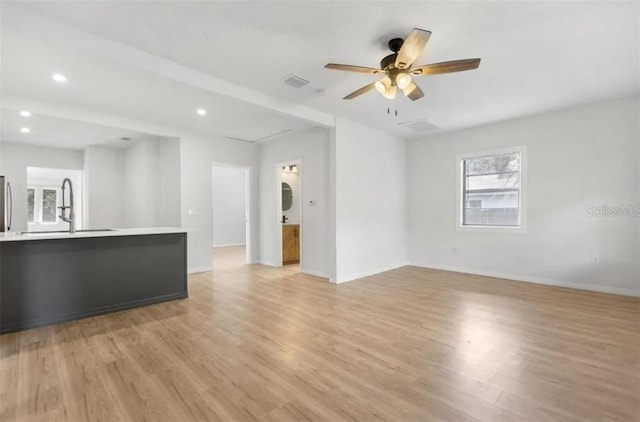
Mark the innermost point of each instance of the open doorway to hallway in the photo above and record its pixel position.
(290, 211)
(230, 216)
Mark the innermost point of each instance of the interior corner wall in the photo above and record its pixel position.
(198, 153)
(312, 147)
(134, 187)
(370, 201)
(577, 158)
(140, 194)
(104, 184)
(152, 168)
(14, 160)
(167, 176)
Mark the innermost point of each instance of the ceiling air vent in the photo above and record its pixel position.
(296, 81)
(423, 125)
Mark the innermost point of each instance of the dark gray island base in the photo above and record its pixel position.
(47, 281)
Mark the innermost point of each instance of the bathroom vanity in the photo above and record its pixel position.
(48, 278)
(290, 243)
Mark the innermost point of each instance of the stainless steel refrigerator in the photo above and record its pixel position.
(6, 205)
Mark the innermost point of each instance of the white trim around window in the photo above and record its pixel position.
(38, 217)
(521, 228)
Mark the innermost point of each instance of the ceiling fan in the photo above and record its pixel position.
(397, 69)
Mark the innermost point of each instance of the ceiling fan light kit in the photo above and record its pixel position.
(403, 80)
(390, 93)
(397, 68)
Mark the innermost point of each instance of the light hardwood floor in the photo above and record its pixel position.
(267, 344)
(229, 258)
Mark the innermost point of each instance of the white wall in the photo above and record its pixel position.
(197, 155)
(140, 180)
(371, 201)
(577, 157)
(312, 148)
(152, 187)
(104, 174)
(229, 206)
(293, 179)
(134, 187)
(168, 182)
(14, 160)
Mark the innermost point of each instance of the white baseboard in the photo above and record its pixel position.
(302, 270)
(319, 274)
(198, 270)
(224, 245)
(268, 264)
(530, 279)
(356, 276)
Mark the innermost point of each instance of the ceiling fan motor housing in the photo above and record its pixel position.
(395, 44)
(388, 61)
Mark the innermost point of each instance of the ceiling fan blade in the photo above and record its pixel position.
(349, 68)
(413, 92)
(360, 91)
(446, 67)
(412, 47)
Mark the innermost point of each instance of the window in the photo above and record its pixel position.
(49, 204)
(42, 204)
(31, 204)
(491, 190)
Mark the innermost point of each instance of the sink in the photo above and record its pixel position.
(67, 231)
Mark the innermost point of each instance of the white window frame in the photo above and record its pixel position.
(520, 229)
(37, 205)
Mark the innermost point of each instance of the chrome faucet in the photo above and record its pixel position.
(71, 219)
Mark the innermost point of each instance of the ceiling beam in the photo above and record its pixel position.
(102, 119)
(94, 45)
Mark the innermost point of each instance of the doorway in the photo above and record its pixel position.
(289, 183)
(230, 216)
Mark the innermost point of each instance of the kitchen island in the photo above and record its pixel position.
(47, 278)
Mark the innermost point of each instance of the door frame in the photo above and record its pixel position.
(248, 215)
(278, 170)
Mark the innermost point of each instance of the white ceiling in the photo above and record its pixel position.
(536, 56)
(62, 133)
(98, 84)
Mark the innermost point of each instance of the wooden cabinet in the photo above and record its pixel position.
(290, 243)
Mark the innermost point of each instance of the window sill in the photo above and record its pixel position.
(493, 229)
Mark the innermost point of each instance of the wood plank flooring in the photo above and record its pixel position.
(258, 343)
(229, 258)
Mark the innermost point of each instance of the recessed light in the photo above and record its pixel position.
(59, 77)
(25, 113)
(201, 111)
(25, 130)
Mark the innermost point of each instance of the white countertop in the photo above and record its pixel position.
(18, 236)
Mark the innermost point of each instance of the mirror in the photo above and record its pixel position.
(287, 196)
